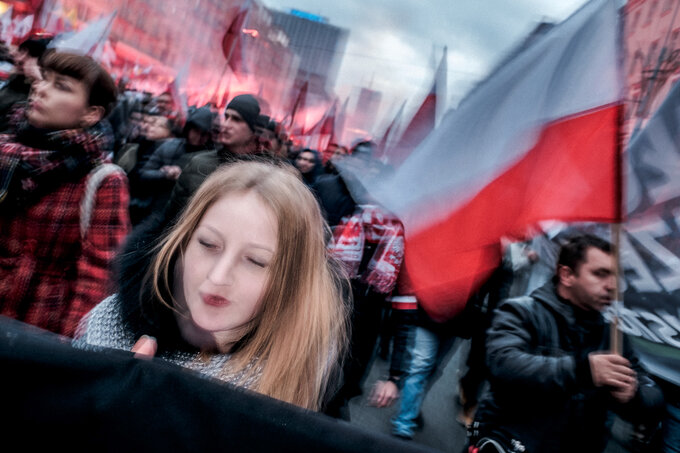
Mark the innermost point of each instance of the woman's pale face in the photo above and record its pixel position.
(58, 102)
(225, 268)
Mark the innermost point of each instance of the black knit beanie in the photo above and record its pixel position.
(248, 107)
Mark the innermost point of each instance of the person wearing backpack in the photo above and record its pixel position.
(56, 241)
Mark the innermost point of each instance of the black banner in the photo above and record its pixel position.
(651, 242)
(58, 397)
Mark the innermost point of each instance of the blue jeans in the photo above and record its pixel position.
(423, 358)
(672, 428)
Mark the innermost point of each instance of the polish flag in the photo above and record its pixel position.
(88, 41)
(21, 28)
(423, 121)
(323, 132)
(538, 140)
(387, 137)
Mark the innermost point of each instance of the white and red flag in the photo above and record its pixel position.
(323, 132)
(21, 28)
(88, 41)
(388, 135)
(424, 119)
(539, 139)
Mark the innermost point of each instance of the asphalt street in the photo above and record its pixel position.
(441, 430)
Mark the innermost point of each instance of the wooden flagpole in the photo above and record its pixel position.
(616, 336)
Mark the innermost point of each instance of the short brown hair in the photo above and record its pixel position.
(102, 88)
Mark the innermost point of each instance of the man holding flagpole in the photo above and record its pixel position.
(553, 380)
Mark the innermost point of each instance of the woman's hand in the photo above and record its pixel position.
(145, 347)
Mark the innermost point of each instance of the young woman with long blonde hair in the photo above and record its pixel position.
(240, 289)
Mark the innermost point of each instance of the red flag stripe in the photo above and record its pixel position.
(572, 173)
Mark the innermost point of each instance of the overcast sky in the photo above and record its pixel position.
(391, 42)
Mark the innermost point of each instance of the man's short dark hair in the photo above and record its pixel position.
(574, 251)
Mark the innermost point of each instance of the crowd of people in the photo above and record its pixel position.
(215, 243)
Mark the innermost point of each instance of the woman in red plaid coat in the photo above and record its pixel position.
(53, 270)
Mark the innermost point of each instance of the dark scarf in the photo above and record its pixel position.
(37, 161)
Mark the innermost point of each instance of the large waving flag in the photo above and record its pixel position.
(538, 140)
(423, 121)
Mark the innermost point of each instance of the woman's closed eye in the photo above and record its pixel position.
(208, 244)
(257, 261)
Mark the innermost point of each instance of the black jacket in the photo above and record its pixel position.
(196, 170)
(193, 174)
(16, 90)
(541, 390)
(334, 198)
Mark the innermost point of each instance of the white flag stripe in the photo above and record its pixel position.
(573, 69)
(88, 40)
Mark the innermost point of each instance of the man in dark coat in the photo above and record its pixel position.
(157, 176)
(553, 379)
(236, 137)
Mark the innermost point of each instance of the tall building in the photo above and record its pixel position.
(361, 122)
(319, 45)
